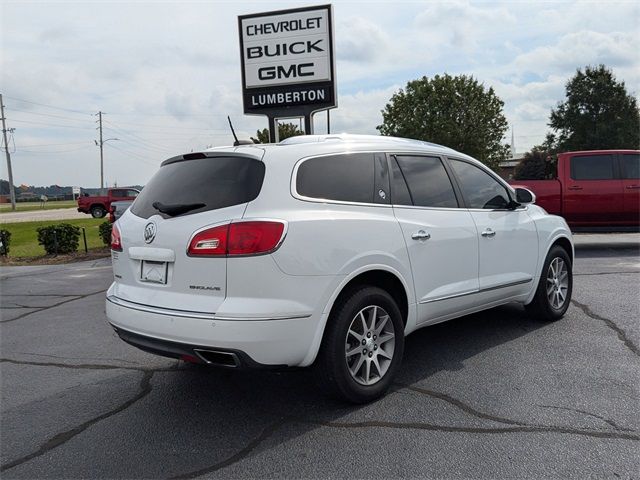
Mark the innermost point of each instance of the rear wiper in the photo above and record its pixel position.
(176, 209)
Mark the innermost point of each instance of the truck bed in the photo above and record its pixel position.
(548, 193)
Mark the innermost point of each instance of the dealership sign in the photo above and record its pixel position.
(287, 61)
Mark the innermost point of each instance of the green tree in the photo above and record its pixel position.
(538, 164)
(285, 130)
(598, 113)
(458, 112)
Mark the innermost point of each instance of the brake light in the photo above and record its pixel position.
(116, 239)
(241, 238)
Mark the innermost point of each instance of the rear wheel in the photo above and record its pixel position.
(362, 346)
(553, 294)
(98, 212)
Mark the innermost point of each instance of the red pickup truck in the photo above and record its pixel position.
(594, 190)
(98, 206)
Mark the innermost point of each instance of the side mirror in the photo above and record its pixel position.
(525, 196)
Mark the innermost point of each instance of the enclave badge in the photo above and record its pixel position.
(149, 232)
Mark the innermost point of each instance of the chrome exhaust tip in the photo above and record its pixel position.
(218, 358)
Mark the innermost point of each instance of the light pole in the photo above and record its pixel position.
(100, 144)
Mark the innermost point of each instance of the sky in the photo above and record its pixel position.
(167, 74)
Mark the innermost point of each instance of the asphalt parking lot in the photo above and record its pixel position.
(489, 395)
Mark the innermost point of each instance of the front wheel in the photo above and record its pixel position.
(362, 346)
(553, 294)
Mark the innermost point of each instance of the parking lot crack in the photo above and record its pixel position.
(240, 455)
(480, 430)
(42, 309)
(64, 437)
(91, 366)
(622, 335)
(589, 414)
(462, 406)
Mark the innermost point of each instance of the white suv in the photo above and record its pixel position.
(326, 250)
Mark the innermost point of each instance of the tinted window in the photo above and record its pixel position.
(399, 189)
(631, 162)
(592, 167)
(118, 193)
(348, 178)
(216, 182)
(428, 182)
(480, 189)
(132, 193)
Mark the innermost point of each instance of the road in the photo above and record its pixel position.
(491, 395)
(41, 215)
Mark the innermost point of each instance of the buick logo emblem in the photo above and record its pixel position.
(149, 232)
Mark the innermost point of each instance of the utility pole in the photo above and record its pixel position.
(12, 194)
(101, 154)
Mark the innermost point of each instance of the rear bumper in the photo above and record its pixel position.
(165, 348)
(256, 343)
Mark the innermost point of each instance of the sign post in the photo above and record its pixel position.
(288, 67)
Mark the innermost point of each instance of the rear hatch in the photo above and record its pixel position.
(187, 194)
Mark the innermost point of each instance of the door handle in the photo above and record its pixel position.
(421, 235)
(488, 233)
(574, 187)
(633, 187)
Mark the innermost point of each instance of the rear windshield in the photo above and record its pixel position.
(216, 182)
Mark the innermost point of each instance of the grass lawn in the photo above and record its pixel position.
(24, 238)
(30, 206)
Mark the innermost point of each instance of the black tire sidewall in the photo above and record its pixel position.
(98, 212)
(334, 359)
(544, 308)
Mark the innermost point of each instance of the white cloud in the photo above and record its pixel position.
(168, 73)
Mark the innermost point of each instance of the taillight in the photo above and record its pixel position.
(116, 239)
(241, 238)
(210, 242)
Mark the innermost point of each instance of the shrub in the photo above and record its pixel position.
(104, 231)
(5, 240)
(60, 238)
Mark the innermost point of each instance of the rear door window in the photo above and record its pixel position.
(428, 181)
(346, 177)
(631, 165)
(214, 182)
(592, 167)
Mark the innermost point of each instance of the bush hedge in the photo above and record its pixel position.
(104, 230)
(60, 238)
(5, 240)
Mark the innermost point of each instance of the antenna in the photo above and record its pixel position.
(236, 142)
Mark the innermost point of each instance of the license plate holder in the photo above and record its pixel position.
(153, 272)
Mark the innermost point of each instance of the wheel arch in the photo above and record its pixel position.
(376, 275)
(565, 244)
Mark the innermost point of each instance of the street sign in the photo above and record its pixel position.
(76, 190)
(287, 62)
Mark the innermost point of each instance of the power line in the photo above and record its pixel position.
(30, 112)
(54, 144)
(20, 150)
(139, 157)
(134, 136)
(172, 128)
(49, 106)
(57, 125)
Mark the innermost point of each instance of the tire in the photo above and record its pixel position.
(548, 304)
(98, 212)
(347, 343)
